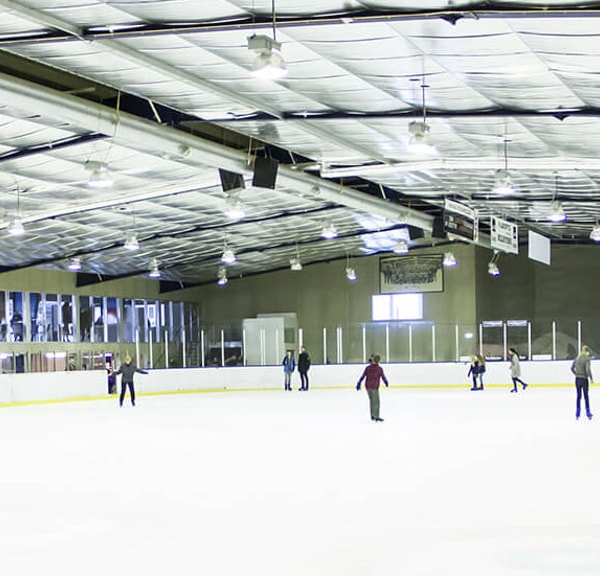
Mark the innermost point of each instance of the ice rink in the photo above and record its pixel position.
(303, 484)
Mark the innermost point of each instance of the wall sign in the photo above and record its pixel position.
(401, 274)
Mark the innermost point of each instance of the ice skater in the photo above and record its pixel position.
(288, 368)
(373, 373)
(128, 369)
(515, 369)
(476, 371)
(303, 368)
(582, 369)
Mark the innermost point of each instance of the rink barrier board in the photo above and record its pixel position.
(115, 397)
(49, 387)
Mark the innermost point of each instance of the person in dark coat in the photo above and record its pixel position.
(128, 369)
(373, 373)
(303, 368)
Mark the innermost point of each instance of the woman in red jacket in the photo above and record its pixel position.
(373, 373)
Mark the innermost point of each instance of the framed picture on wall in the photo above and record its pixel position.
(402, 274)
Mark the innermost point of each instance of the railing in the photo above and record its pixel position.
(341, 344)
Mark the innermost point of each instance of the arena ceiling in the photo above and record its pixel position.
(162, 94)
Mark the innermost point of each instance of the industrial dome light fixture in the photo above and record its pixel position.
(401, 247)
(131, 242)
(419, 143)
(351, 274)
(329, 232)
(228, 256)
(100, 176)
(449, 260)
(16, 228)
(154, 269)
(503, 185)
(75, 264)
(269, 63)
(595, 233)
(222, 276)
(234, 208)
(493, 269)
(557, 212)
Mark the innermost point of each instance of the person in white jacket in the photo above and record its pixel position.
(515, 369)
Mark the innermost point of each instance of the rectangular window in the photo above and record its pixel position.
(397, 307)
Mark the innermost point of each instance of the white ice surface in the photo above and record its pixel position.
(275, 483)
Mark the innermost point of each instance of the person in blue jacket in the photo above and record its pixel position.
(288, 367)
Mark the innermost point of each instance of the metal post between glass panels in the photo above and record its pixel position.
(529, 350)
(456, 343)
(481, 339)
(151, 350)
(553, 340)
(263, 342)
(222, 347)
(137, 347)
(387, 342)
(579, 340)
(183, 344)
(324, 345)
(202, 350)
(410, 343)
(244, 360)
(166, 348)
(300, 337)
(505, 340)
(433, 354)
(364, 344)
(277, 351)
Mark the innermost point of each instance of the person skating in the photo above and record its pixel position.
(476, 371)
(288, 368)
(373, 373)
(303, 368)
(515, 369)
(582, 370)
(128, 369)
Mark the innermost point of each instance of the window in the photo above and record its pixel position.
(397, 307)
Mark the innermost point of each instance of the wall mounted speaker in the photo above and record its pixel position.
(265, 172)
(230, 180)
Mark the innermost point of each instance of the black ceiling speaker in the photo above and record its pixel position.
(438, 230)
(231, 180)
(415, 233)
(265, 172)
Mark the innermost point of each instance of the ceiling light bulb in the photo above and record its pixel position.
(419, 142)
(100, 177)
(557, 213)
(401, 247)
(502, 183)
(295, 264)
(222, 276)
(16, 228)
(329, 232)
(449, 260)
(154, 271)
(493, 269)
(595, 233)
(234, 209)
(131, 242)
(228, 256)
(74, 264)
(351, 274)
(269, 63)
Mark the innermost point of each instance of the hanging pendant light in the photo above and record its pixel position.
(268, 63)
(419, 143)
(503, 185)
(557, 212)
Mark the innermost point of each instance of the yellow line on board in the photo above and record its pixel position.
(272, 389)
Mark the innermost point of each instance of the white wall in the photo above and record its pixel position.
(64, 385)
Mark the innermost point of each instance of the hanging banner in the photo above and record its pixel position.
(460, 220)
(401, 274)
(504, 235)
